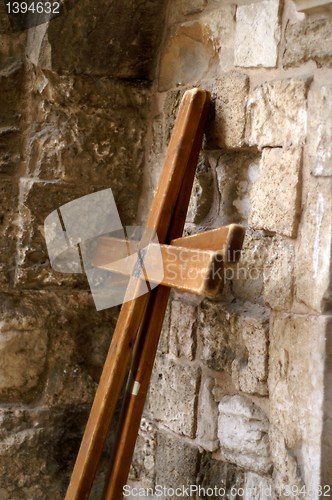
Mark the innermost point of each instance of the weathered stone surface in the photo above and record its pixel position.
(182, 330)
(309, 39)
(202, 195)
(243, 428)
(8, 214)
(117, 39)
(320, 129)
(236, 172)
(142, 469)
(258, 487)
(163, 346)
(257, 34)
(228, 128)
(207, 417)
(296, 384)
(250, 368)
(248, 276)
(222, 477)
(278, 274)
(23, 347)
(275, 197)
(173, 395)
(313, 258)
(277, 114)
(176, 462)
(181, 9)
(193, 48)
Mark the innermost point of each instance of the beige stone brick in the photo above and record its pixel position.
(207, 417)
(277, 114)
(182, 330)
(278, 274)
(173, 395)
(257, 34)
(242, 431)
(313, 256)
(275, 196)
(194, 48)
(320, 130)
(228, 128)
(309, 39)
(258, 487)
(298, 346)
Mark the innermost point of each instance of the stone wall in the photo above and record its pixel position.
(240, 394)
(74, 106)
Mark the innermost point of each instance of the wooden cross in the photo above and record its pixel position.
(140, 321)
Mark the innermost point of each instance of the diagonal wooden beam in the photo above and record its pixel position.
(181, 157)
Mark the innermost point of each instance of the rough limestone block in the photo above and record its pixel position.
(277, 114)
(221, 475)
(23, 347)
(275, 196)
(176, 462)
(258, 487)
(242, 431)
(249, 369)
(173, 395)
(248, 275)
(310, 39)
(228, 128)
(207, 417)
(182, 330)
(8, 216)
(320, 130)
(181, 9)
(202, 195)
(193, 48)
(142, 468)
(257, 34)
(278, 274)
(298, 348)
(313, 258)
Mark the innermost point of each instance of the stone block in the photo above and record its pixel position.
(313, 255)
(163, 346)
(236, 172)
(194, 48)
(298, 347)
(207, 417)
(309, 39)
(8, 216)
(117, 39)
(320, 130)
(277, 114)
(278, 274)
(250, 367)
(182, 330)
(11, 85)
(181, 9)
(23, 348)
(242, 432)
(202, 195)
(220, 476)
(231, 93)
(176, 463)
(275, 197)
(247, 277)
(142, 468)
(173, 396)
(258, 487)
(257, 34)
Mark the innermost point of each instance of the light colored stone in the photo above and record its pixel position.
(275, 196)
(194, 48)
(258, 488)
(277, 114)
(173, 395)
(313, 258)
(296, 384)
(309, 39)
(202, 195)
(23, 346)
(207, 417)
(228, 128)
(257, 34)
(142, 468)
(320, 130)
(180, 9)
(278, 274)
(249, 369)
(182, 329)
(242, 431)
